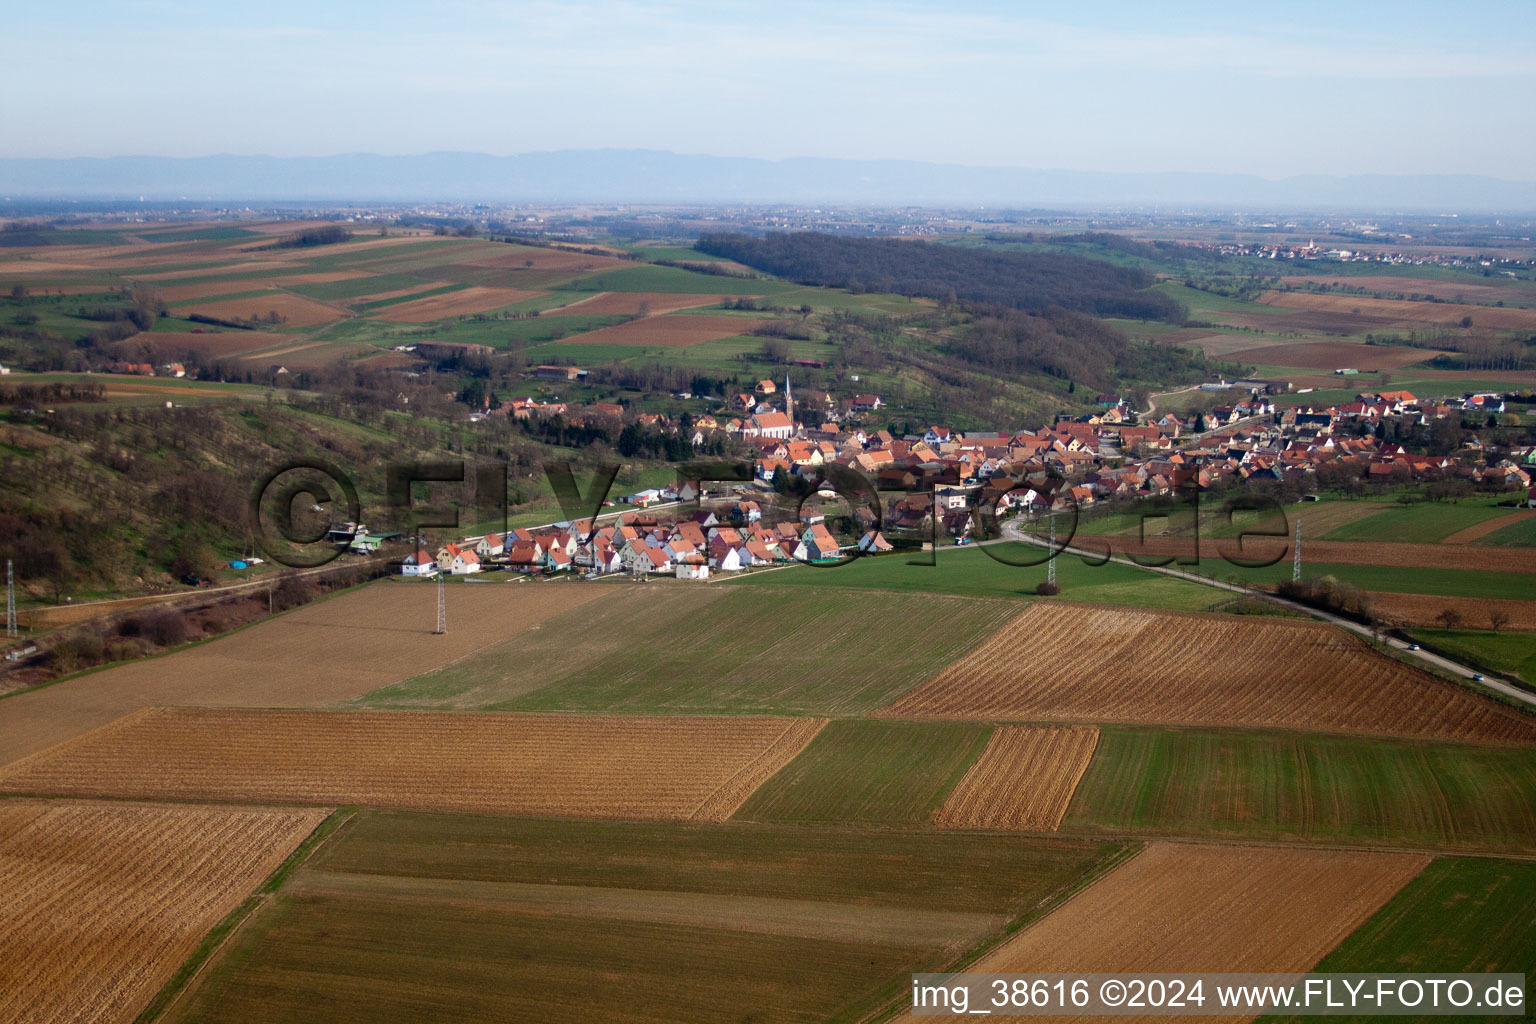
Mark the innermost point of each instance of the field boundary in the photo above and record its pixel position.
(738, 789)
(221, 933)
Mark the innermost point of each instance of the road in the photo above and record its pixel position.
(1011, 531)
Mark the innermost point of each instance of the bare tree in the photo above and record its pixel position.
(1498, 619)
(1450, 618)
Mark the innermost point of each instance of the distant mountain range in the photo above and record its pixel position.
(651, 176)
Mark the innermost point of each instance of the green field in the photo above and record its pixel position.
(972, 572)
(1425, 522)
(1392, 579)
(713, 650)
(870, 771)
(1516, 535)
(675, 280)
(435, 917)
(1461, 914)
(1510, 653)
(1243, 784)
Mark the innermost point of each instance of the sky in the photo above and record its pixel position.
(1347, 87)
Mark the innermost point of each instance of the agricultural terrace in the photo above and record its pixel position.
(1277, 786)
(323, 652)
(504, 918)
(1084, 664)
(103, 901)
(589, 766)
(713, 650)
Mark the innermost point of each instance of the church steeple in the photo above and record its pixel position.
(789, 401)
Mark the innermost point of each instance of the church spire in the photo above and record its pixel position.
(789, 400)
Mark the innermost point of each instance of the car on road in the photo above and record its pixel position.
(1477, 677)
(1413, 647)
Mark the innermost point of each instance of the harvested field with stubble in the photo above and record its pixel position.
(670, 331)
(325, 652)
(460, 303)
(1023, 780)
(103, 901)
(596, 766)
(1181, 907)
(1058, 662)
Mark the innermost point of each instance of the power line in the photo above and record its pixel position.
(10, 599)
(1296, 563)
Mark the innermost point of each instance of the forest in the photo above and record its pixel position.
(950, 274)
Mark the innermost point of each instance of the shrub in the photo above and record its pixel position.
(1047, 589)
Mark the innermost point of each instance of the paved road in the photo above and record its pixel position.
(1011, 531)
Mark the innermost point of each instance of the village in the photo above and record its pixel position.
(942, 484)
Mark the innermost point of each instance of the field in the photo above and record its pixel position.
(1023, 780)
(1458, 289)
(865, 771)
(1513, 654)
(103, 902)
(1405, 312)
(1330, 355)
(411, 917)
(1083, 664)
(973, 572)
(715, 650)
(455, 303)
(1172, 906)
(1466, 557)
(1459, 914)
(296, 310)
(591, 766)
(315, 655)
(667, 331)
(636, 303)
(1237, 785)
(1425, 610)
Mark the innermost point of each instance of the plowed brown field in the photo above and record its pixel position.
(1180, 907)
(1425, 609)
(1330, 355)
(596, 766)
(1080, 663)
(326, 652)
(103, 902)
(1506, 318)
(631, 303)
(674, 331)
(462, 302)
(298, 310)
(1023, 780)
(1450, 291)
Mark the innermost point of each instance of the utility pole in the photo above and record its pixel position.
(10, 599)
(1050, 563)
(1296, 562)
(442, 608)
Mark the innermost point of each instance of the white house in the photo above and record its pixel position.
(465, 563)
(692, 570)
(418, 564)
(490, 546)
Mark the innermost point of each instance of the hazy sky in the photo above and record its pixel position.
(1276, 88)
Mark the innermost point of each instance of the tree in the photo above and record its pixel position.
(1498, 619)
(1450, 618)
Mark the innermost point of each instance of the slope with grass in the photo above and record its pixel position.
(725, 650)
